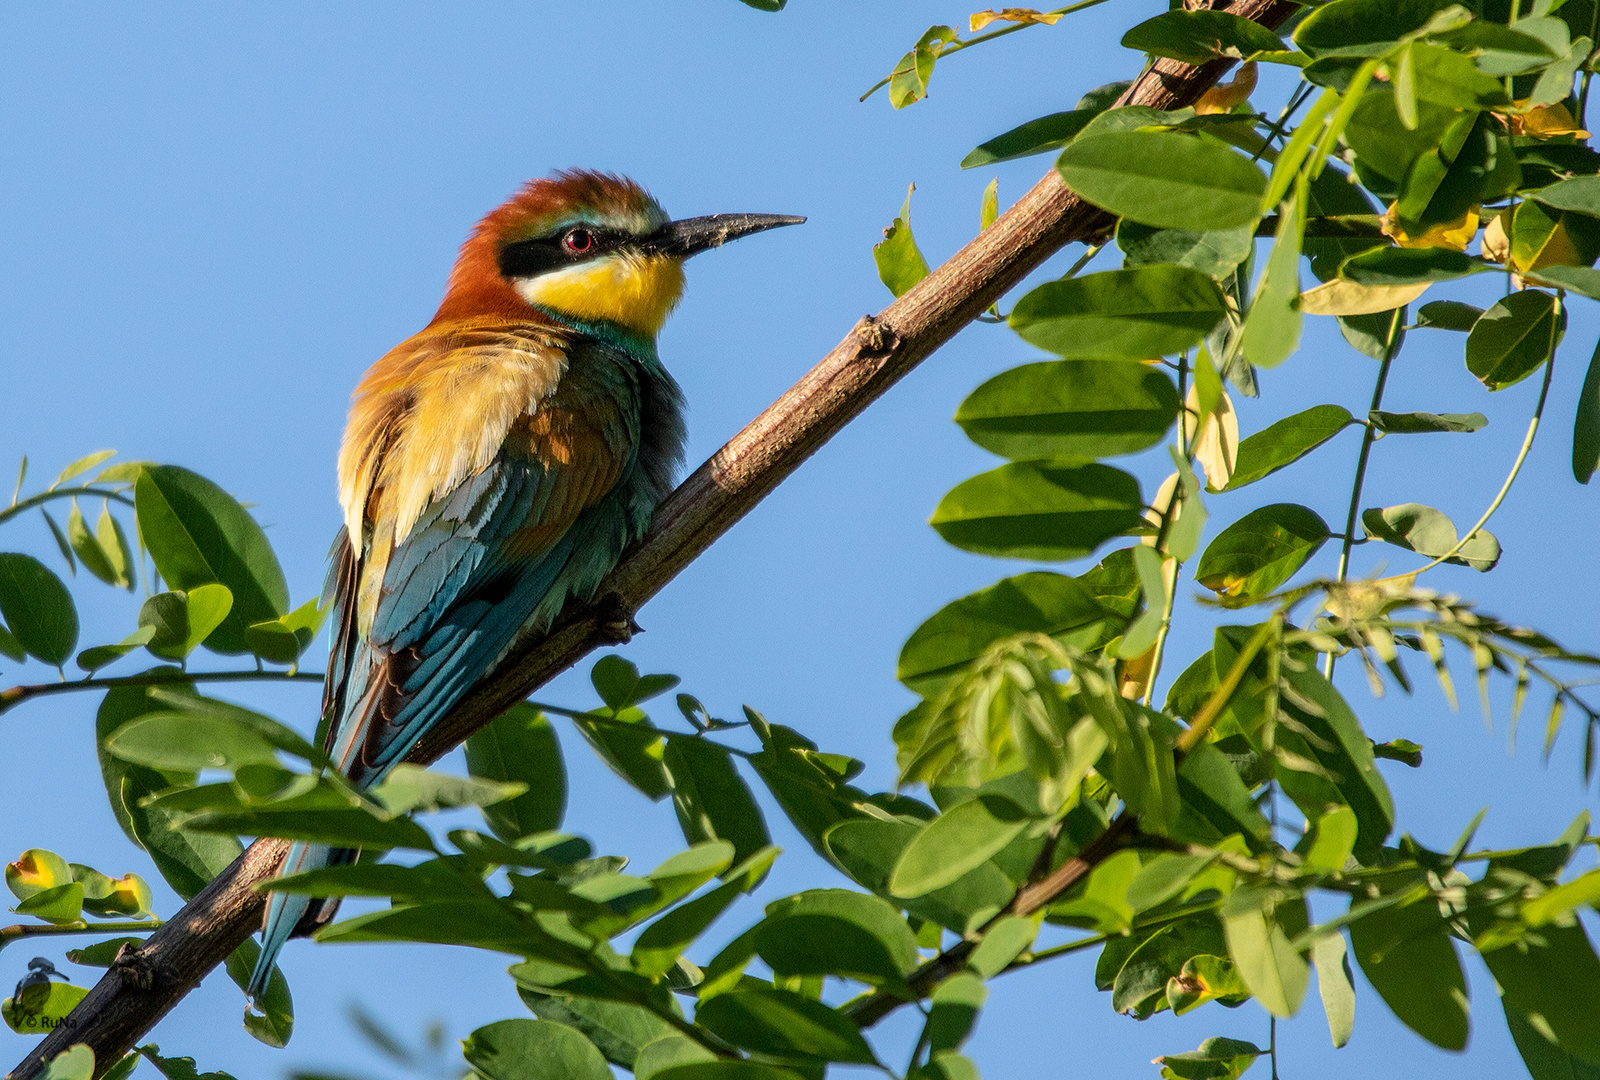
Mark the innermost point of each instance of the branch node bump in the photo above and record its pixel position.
(877, 337)
(137, 970)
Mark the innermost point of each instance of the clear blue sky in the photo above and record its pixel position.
(214, 218)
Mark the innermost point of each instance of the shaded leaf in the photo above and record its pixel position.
(1036, 510)
(1070, 409)
(1131, 314)
(1514, 337)
(1163, 178)
(519, 745)
(1428, 532)
(1262, 550)
(37, 608)
(1287, 441)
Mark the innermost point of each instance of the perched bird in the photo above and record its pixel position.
(497, 464)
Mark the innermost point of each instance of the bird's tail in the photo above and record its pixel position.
(286, 911)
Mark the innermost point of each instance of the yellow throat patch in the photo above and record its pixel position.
(634, 291)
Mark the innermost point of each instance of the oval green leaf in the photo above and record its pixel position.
(1165, 178)
(1066, 409)
(1514, 337)
(1035, 510)
(37, 608)
(197, 534)
(784, 1024)
(1405, 952)
(1261, 550)
(1429, 532)
(1286, 442)
(958, 840)
(520, 745)
(1035, 137)
(532, 1050)
(1128, 314)
(1198, 37)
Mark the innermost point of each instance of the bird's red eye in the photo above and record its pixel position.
(578, 241)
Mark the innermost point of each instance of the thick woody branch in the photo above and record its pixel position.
(873, 357)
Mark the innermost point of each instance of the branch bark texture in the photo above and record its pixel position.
(875, 355)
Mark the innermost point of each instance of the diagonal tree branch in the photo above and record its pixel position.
(147, 982)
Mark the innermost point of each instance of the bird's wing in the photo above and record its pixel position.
(421, 619)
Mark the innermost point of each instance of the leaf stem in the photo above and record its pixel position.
(593, 718)
(61, 493)
(1368, 436)
(9, 934)
(16, 695)
(1516, 466)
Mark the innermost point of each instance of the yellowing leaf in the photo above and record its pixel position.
(1224, 96)
(1455, 235)
(1341, 296)
(980, 19)
(1545, 122)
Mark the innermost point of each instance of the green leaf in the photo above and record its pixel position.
(711, 799)
(1066, 409)
(182, 621)
(1036, 510)
(1586, 426)
(413, 789)
(1259, 932)
(1552, 978)
(434, 879)
(1418, 422)
(187, 860)
(177, 1068)
(908, 82)
(1428, 532)
(618, 1030)
(182, 742)
(1363, 27)
(1580, 194)
(1217, 1059)
(664, 1053)
(1545, 1059)
(1262, 550)
(958, 633)
(1129, 314)
(783, 1024)
(659, 945)
(1035, 137)
(282, 640)
(489, 924)
(533, 1050)
(271, 1019)
(953, 1010)
(197, 534)
(520, 746)
(10, 646)
(955, 842)
(1286, 442)
(1336, 986)
(1138, 986)
(87, 547)
(1322, 729)
(836, 932)
(351, 827)
(1272, 326)
(869, 848)
(1164, 178)
(1215, 254)
(1410, 266)
(900, 262)
(1211, 788)
(727, 1070)
(37, 608)
(633, 752)
(39, 1009)
(1199, 37)
(1514, 337)
(1002, 943)
(58, 904)
(766, 5)
(1448, 315)
(1406, 954)
(96, 657)
(114, 543)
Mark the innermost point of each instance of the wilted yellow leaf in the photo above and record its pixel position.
(1216, 447)
(1496, 243)
(1158, 507)
(980, 19)
(1343, 297)
(1224, 96)
(1455, 235)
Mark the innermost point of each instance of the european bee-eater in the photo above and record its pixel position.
(497, 464)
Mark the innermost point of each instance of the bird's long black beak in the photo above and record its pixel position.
(681, 239)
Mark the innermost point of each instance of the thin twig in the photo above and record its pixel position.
(61, 493)
(16, 695)
(21, 931)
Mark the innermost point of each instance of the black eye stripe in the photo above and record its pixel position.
(541, 254)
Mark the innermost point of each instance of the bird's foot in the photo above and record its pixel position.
(614, 620)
